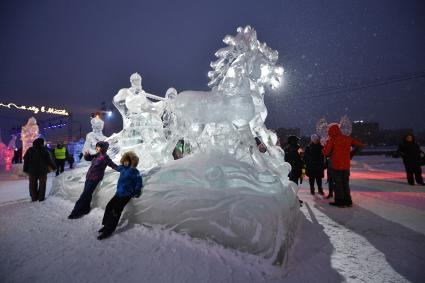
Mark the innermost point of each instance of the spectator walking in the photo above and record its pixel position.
(37, 163)
(315, 163)
(60, 153)
(411, 153)
(293, 157)
(339, 149)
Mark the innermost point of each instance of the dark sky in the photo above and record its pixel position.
(76, 54)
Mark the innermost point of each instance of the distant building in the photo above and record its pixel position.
(367, 132)
(394, 137)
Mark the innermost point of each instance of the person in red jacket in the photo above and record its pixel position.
(339, 149)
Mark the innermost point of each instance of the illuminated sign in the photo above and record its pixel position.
(35, 109)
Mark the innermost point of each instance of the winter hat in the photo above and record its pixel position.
(314, 138)
(38, 142)
(334, 130)
(103, 146)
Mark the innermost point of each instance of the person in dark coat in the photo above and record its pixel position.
(339, 149)
(37, 161)
(315, 163)
(99, 161)
(411, 154)
(293, 157)
(129, 185)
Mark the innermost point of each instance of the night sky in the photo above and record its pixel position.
(364, 59)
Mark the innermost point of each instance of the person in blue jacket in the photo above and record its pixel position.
(129, 185)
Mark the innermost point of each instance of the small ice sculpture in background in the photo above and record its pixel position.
(3, 150)
(142, 124)
(76, 148)
(29, 133)
(95, 136)
(345, 125)
(11, 147)
(322, 127)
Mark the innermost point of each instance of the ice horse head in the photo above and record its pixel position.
(245, 63)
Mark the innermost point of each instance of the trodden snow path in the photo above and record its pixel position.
(380, 239)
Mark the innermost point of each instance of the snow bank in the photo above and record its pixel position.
(207, 196)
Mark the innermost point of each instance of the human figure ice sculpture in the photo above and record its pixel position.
(142, 124)
(29, 133)
(95, 136)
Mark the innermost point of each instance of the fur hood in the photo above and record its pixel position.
(130, 155)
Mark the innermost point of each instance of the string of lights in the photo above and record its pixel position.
(35, 109)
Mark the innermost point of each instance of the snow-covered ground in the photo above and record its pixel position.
(380, 239)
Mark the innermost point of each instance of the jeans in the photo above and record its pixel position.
(342, 187)
(82, 206)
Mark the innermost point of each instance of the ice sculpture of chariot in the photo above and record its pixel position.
(226, 190)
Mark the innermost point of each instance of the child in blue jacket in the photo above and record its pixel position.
(129, 185)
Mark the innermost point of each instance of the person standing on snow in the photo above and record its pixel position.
(37, 161)
(99, 161)
(315, 163)
(411, 154)
(338, 149)
(60, 153)
(293, 157)
(129, 185)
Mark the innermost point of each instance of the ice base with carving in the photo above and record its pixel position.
(209, 196)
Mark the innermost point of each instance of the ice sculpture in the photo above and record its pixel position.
(95, 136)
(226, 191)
(142, 125)
(3, 153)
(11, 147)
(29, 133)
(228, 118)
(322, 127)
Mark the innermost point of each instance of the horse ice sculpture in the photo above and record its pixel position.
(226, 191)
(228, 118)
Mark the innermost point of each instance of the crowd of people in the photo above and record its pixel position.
(334, 157)
(39, 161)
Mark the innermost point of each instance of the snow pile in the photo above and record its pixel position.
(208, 196)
